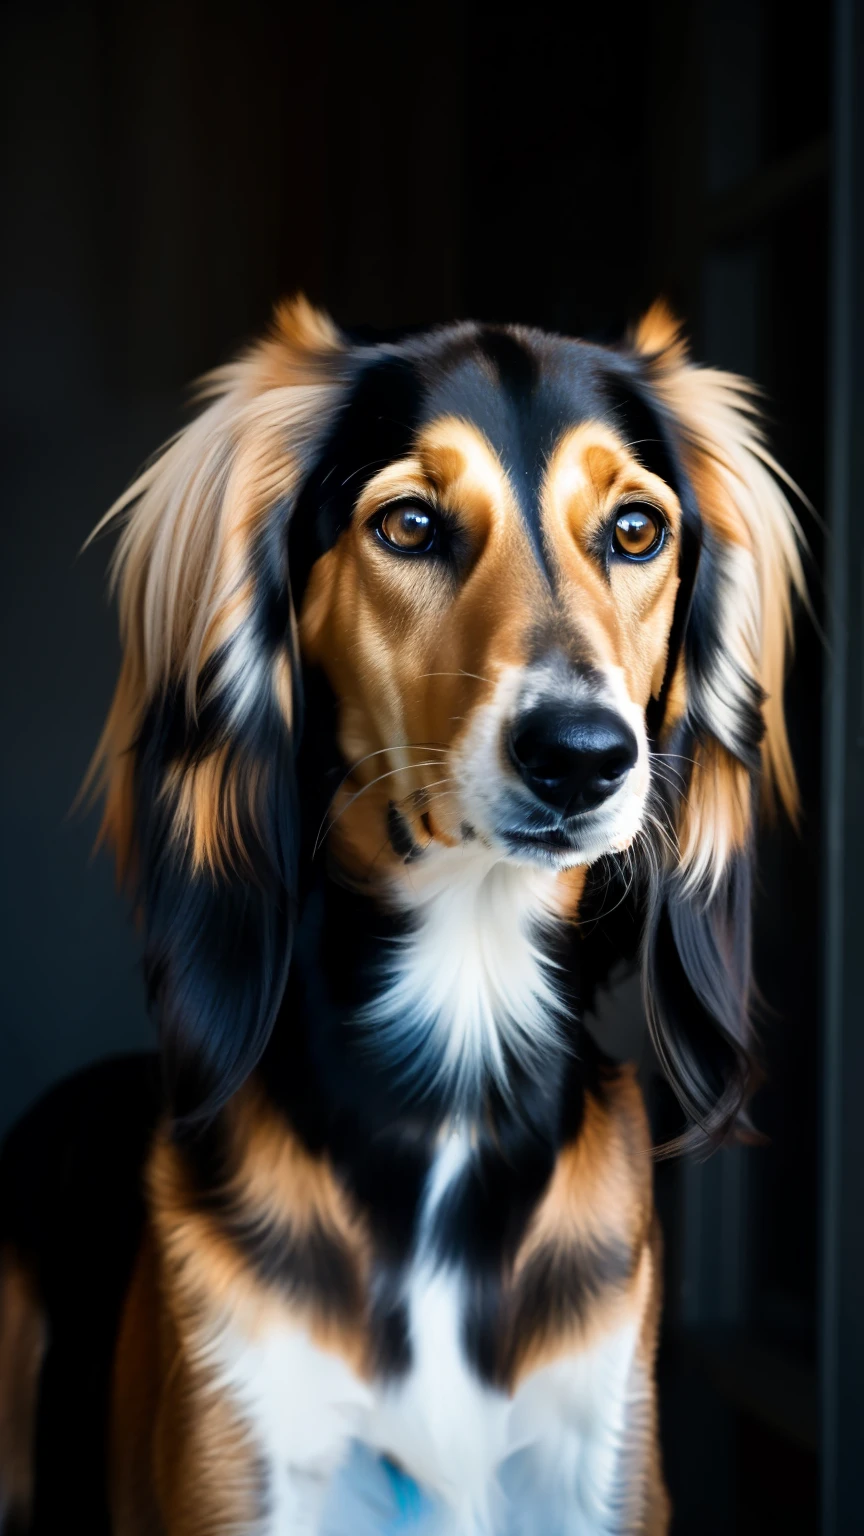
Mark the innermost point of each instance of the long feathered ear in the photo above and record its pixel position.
(196, 761)
(723, 730)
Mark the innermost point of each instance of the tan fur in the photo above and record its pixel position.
(182, 1460)
(204, 1458)
(136, 1390)
(717, 817)
(182, 565)
(740, 489)
(627, 620)
(601, 1187)
(23, 1340)
(656, 1510)
(600, 1192)
(205, 1273)
(206, 799)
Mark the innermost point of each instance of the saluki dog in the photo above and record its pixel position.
(429, 647)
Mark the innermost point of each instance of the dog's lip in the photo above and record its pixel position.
(552, 838)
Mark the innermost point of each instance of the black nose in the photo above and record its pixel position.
(572, 759)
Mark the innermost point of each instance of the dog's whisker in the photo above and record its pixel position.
(421, 792)
(662, 770)
(460, 673)
(417, 746)
(680, 757)
(391, 772)
(406, 746)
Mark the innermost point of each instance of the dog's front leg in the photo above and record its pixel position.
(250, 1434)
(586, 1424)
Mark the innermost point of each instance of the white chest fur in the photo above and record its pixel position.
(547, 1459)
(470, 979)
(441, 1423)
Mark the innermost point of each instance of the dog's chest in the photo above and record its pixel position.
(437, 1420)
(439, 1413)
(482, 1454)
(440, 1420)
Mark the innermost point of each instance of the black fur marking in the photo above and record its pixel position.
(479, 1226)
(375, 426)
(638, 421)
(484, 1216)
(217, 944)
(399, 833)
(558, 1286)
(388, 1324)
(312, 1267)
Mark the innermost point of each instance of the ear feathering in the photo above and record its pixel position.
(755, 542)
(196, 758)
(183, 571)
(725, 723)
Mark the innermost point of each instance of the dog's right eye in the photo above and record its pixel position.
(410, 527)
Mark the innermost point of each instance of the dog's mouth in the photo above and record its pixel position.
(549, 839)
(565, 841)
(561, 847)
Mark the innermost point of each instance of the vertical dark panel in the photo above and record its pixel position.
(843, 1168)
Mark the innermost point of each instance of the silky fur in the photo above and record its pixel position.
(395, 1197)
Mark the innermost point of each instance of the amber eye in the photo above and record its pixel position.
(638, 532)
(410, 528)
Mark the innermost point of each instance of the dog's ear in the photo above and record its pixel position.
(196, 761)
(722, 726)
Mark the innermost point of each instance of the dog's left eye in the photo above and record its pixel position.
(638, 532)
(411, 528)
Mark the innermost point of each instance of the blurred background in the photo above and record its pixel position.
(169, 171)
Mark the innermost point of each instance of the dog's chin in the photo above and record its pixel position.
(583, 840)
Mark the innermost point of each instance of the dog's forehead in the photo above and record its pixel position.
(522, 390)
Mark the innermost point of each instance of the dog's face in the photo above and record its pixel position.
(548, 586)
(495, 614)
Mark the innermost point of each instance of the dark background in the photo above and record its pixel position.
(170, 170)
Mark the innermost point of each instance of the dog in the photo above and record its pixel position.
(430, 646)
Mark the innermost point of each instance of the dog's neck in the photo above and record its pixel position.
(444, 993)
(447, 1005)
(470, 993)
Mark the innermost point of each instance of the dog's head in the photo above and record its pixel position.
(546, 586)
